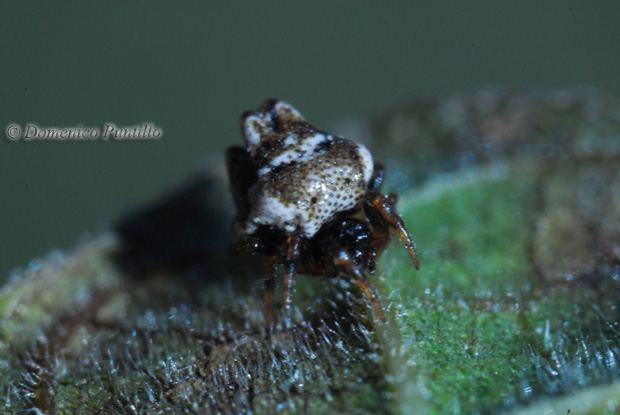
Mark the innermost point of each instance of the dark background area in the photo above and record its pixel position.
(192, 67)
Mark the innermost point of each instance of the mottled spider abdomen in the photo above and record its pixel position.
(305, 176)
(310, 201)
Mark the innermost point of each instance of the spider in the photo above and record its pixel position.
(310, 201)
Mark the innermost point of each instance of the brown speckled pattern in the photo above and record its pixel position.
(305, 176)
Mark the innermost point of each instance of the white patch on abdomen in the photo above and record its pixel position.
(368, 163)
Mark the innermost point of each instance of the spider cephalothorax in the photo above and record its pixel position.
(309, 200)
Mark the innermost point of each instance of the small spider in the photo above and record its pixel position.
(309, 200)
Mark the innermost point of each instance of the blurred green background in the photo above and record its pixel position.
(192, 67)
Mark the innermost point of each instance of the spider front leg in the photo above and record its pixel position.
(369, 290)
(293, 243)
(270, 286)
(380, 238)
(379, 208)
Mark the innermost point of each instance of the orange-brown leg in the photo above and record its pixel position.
(380, 238)
(370, 292)
(361, 280)
(270, 286)
(292, 255)
(381, 203)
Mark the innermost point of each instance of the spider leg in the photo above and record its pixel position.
(377, 177)
(380, 238)
(384, 208)
(362, 281)
(270, 285)
(392, 199)
(370, 292)
(292, 255)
